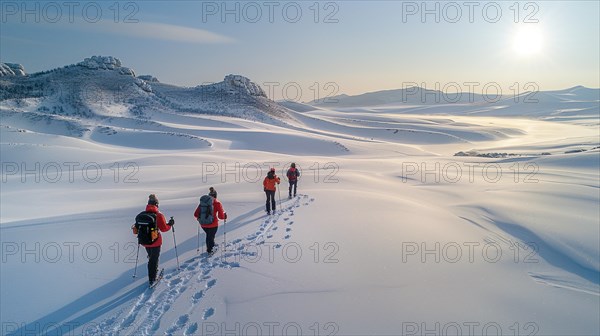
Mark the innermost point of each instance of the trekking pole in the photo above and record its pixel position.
(198, 249)
(136, 261)
(225, 235)
(279, 191)
(175, 242)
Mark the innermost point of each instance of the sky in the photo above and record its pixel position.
(305, 50)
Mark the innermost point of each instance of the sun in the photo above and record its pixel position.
(528, 41)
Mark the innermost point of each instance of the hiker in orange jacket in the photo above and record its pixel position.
(270, 187)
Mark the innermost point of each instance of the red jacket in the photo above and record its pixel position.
(218, 211)
(161, 223)
(269, 183)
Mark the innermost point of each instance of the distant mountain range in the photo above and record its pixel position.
(578, 100)
(421, 96)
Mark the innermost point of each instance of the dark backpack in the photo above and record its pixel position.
(292, 174)
(145, 224)
(206, 215)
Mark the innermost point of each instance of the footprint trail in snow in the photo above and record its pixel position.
(145, 315)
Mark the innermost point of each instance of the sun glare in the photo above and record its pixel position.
(528, 41)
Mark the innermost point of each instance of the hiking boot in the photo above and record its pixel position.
(213, 251)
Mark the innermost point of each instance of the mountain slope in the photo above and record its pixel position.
(100, 87)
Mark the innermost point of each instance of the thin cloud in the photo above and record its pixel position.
(163, 31)
(146, 30)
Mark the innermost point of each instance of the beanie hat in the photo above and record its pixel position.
(153, 200)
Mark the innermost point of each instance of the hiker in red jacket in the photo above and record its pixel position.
(153, 249)
(217, 213)
(292, 174)
(270, 187)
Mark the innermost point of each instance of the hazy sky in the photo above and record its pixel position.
(359, 46)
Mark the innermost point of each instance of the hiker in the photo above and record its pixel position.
(270, 188)
(208, 213)
(292, 174)
(148, 226)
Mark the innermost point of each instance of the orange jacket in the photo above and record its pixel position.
(269, 183)
(161, 223)
(218, 213)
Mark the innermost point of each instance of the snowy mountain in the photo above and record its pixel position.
(98, 89)
(235, 96)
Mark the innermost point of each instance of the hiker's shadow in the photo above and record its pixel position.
(65, 319)
(55, 323)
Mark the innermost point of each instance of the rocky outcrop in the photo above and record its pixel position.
(149, 78)
(106, 63)
(243, 84)
(101, 62)
(11, 69)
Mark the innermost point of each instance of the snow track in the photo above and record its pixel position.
(193, 281)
